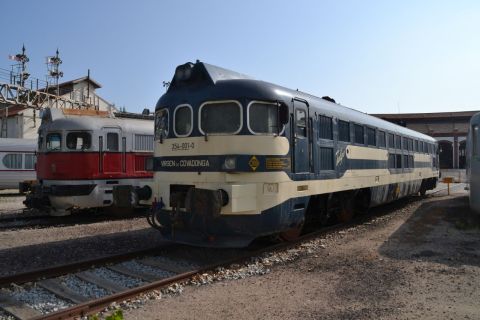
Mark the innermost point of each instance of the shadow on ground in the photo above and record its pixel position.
(443, 231)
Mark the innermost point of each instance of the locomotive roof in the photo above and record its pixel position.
(18, 145)
(55, 119)
(475, 118)
(202, 82)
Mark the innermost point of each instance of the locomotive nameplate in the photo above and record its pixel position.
(183, 146)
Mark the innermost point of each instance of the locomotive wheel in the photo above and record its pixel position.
(346, 211)
(292, 234)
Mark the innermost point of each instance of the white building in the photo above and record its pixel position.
(22, 122)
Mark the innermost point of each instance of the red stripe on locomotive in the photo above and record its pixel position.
(86, 165)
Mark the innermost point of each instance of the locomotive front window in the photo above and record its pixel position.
(161, 124)
(221, 117)
(54, 141)
(79, 140)
(183, 118)
(263, 118)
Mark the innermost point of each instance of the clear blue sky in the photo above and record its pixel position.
(375, 56)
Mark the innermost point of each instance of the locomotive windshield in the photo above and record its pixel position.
(221, 117)
(161, 124)
(79, 141)
(54, 141)
(263, 118)
(183, 120)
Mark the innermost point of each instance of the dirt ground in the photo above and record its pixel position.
(421, 261)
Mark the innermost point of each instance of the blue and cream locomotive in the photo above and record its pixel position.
(237, 158)
(473, 162)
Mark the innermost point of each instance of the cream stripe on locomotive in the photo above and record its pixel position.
(220, 145)
(251, 193)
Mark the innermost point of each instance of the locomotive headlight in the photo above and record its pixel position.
(230, 163)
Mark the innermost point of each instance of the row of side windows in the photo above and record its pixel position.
(395, 161)
(373, 137)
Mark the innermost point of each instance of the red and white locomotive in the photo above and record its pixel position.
(84, 154)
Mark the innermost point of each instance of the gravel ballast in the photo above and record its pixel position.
(421, 261)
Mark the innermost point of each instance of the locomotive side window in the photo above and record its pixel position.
(183, 118)
(301, 120)
(343, 131)
(221, 117)
(79, 140)
(325, 127)
(263, 118)
(143, 142)
(30, 160)
(416, 145)
(475, 140)
(112, 141)
(40, 141)
(398, 142)
(398, 161)
(161, 124)
(381, 139)
(391, 161)
(371, 136)
(13, 161)
(54, 141)
(391, 140)
(359, 138)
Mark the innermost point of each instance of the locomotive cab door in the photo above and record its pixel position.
(112, 153)
(300, 137)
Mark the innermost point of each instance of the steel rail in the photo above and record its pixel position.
(56, 271)
(96, 305)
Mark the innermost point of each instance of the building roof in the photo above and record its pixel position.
(11, 111)
(430, 115)
(92, 81)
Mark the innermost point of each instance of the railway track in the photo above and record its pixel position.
(89, 287)
(44, 221)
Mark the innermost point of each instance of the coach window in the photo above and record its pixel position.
(359, 137)
(54, 141)
(371, 137)
(79, 140)
(263, 118)
(325, 128)
(13, 161)
(343, 131)
(112, 141)
(30, 160)
(381, 139)
(220, 117)
(161, 124)
(183, 119)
